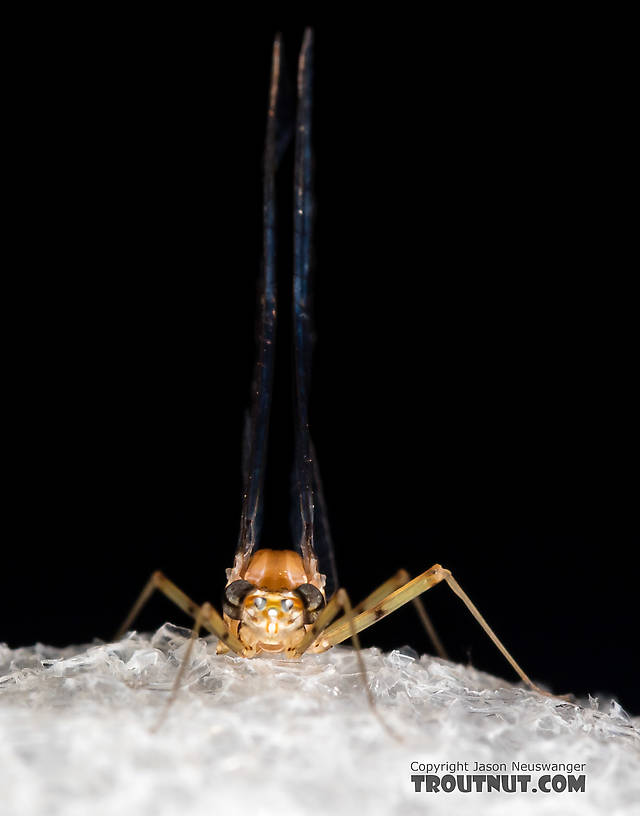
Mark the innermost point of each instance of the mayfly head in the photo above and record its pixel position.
(273, 603)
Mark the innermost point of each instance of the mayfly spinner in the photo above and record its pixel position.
(289, 600)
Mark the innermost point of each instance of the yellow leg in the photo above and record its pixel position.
(204, 611)
(211, 620)
(429, 628)
(340, 602)
(336, 605)
(340, 631)
(399, 579)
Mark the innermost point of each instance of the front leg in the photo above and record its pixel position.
(395, 582)
(202, 615)
(342, 630)
(210, 619)
(340, 602)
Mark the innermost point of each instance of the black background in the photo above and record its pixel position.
(474, 378)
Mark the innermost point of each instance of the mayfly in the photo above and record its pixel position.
(290, 601)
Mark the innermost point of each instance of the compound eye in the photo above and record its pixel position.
(259, 602)
(312, 600)
(233, 598)
(286, 604)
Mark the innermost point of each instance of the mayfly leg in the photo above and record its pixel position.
(212, 620)
(204, 611)
(342, 630)
(340, 603)
(400, 578)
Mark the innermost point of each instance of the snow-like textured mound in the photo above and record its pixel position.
(270, 736)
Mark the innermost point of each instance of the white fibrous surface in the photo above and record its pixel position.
(273, 736)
